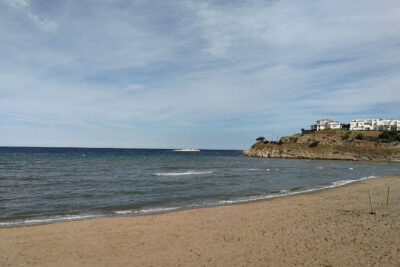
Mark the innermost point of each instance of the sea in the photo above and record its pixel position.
(45, 185)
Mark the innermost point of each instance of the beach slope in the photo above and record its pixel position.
(326, 228)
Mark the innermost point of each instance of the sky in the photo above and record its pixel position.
(192, 74)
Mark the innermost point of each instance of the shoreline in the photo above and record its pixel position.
(250, 153)
(328, 227)
(161, 210)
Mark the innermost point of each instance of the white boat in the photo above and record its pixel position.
(187, 150)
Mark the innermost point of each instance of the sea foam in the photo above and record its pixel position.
(285, 192)
(182, 173)
(145, 211)
(48, 220)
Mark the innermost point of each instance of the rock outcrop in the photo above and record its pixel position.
(330, 144)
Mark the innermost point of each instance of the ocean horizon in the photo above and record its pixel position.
(50, 184)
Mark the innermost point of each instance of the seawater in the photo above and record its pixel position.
(43, 185)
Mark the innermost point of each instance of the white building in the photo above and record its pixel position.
(374, 125)
(325, 124)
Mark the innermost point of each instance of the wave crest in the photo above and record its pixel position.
(182, 173)
(57, 218)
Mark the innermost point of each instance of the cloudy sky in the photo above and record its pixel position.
(202, 74)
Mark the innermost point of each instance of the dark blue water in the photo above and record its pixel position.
(39, 185)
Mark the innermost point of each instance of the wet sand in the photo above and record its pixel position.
(326, 228)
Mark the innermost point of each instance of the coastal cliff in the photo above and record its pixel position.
(331, 144)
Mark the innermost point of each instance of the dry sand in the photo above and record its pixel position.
(325, 228)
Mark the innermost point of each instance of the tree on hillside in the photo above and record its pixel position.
(390, 136)
(260, 139)
(346, 126)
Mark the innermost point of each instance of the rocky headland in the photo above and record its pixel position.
(332, 144)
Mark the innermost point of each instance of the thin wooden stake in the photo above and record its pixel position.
(387, 197)
(370, 202)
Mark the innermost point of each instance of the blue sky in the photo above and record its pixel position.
(202, 74)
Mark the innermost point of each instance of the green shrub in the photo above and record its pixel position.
(314, 144)
(389, 136)
(346, 136)
(386, 134)
(360, 136)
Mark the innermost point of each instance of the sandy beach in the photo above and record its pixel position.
(326, 228)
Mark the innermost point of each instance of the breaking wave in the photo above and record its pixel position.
(182, 173)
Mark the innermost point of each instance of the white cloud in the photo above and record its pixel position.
(17, 3)
(38, 20)
(43, 23)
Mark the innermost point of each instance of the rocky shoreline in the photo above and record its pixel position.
(328, 145)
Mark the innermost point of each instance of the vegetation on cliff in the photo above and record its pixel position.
(332, 144)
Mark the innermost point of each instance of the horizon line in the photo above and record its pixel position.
(1, 146)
